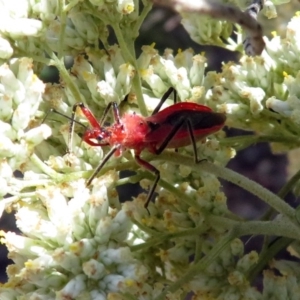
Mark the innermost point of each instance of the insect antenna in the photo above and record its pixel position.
(52, 110)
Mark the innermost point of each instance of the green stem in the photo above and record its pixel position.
(277, 227)
(265, 257)
(241, 142)
(70, 5)
(159, 238)
(23, 184)
(201, 265)
(268, 252)
(198, 248)
(282, 194)
(46, 169)
(146, 9)
(63, 24)
(123, 45)
(254, 188)
(236, 230)
(127, 296)
(137, 86)
(289, 185)
(35, 58)
(136, 81)
(65, 76)
(231, 176)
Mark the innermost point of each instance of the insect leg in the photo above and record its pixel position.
(170, 136)
(173, 132)
(163, 99)
(116, 113)
(101, 165)
(192, 137)
(152, 169)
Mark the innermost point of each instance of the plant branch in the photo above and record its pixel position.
(254, 43)
(254, 188)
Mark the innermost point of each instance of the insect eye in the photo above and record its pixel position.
(103, 135)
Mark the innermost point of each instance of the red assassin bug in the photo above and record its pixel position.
(176, 126)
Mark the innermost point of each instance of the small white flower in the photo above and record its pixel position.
(98, 295)
(148, 52)
(6, 171)
(109, 72)
(6, 51)
(196, 72)
(22, 27)
(94, 269)
(73, 288)
(85, 25)
(205, 30)
(107, 92)
(125, 7)
(155, 82)
(36, 135)
(103, 230)
(255, 95)
(7, 147)
(4, 190)
(7, 130)
(124, 79)
(20, 119)
(279, 106)
(115, 256)
(111, 283)
(247, 261)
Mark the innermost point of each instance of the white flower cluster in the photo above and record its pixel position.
(185, 72)
(20, 97)
(226, 276)
(262, 93)
(73, 246)
(29, 23)
(205, 30)
(231, 269)
(107, 77)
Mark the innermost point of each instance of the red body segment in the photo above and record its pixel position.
(203, 121)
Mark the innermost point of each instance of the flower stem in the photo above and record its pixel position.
(244, 141)
(63, 18)
(252, 187)
(146, 9)
(267, 255)
(65, 76)
(46, 169)
(136, 81)
(277, 227)
(201, 265)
